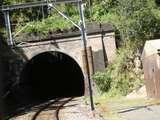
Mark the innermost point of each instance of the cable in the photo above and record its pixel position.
(52, 5)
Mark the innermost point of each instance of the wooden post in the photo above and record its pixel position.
(91, 66)
(90, 60)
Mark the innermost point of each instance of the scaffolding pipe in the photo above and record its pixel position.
(8, 28)
(34, 4)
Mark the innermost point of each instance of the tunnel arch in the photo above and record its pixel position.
(50, 75)
(46, 76)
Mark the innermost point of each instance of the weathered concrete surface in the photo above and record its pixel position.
(151, 67)
(73, 47)
(103, 46)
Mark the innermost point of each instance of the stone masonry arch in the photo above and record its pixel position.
(14, 60)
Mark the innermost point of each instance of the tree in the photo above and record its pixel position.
(134, 19)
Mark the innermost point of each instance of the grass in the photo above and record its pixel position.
(43, 27)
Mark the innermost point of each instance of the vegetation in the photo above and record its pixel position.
(109, 107)
(40, 20)
(135, 21)
(120, 77)
(45, 26)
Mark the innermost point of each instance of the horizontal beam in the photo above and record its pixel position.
(35, 4)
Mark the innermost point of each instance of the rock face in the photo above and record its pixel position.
(138, 65)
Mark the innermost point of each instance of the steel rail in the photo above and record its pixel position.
(61, 106)
(43, 108)
(28, 108)
(51, 103)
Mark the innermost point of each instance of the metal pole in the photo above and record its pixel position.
(90, 8)
(34, 4)
(84, 40)
(91, 2)
(8, 28)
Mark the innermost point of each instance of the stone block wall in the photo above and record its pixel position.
(73, 47)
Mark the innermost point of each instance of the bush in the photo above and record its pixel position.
(103, 81)
(102, 7)
(120, 77)
(136, 21)
(43, 27)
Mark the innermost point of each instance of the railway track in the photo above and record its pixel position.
(60, 104)
(36, 112)
(60, 109)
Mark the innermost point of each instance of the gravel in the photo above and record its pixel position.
(74, 110)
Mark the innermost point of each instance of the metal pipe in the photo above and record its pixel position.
(84, 40)
(90, 7)
(8, 28)
(91, 2)
(35, 4)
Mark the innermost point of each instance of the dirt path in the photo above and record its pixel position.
(142, 113)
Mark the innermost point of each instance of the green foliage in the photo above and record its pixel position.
(120, 77)
(102, 7)
(11, 2)
(40, 20)
(71, 10)
(21, 16)
(103, 80)
(45, 26)
(135, 21)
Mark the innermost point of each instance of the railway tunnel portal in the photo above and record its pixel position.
(34, 72)
(44, 70)
(51, 75)
(45, 76)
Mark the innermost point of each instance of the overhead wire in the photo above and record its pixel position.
(52, 5)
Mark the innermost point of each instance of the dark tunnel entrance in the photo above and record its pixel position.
(46, 76)
(52, 74)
